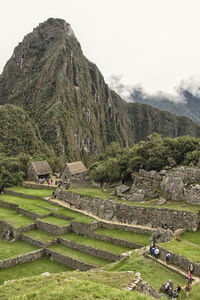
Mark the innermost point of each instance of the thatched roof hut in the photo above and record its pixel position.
(38, 169)
(73, 169)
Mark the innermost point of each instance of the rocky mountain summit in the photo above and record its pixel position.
(67, 99)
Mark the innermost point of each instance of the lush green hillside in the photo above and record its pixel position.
(18, 133)
(67, 97)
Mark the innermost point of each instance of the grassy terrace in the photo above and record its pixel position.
(97, 192)
(43, 207)
(74, 215)
(140, 239)
(13, 218)
(184, 248)
(102, 245)
(193, 237)
(86, 258)
(40, 235)
(151, 271)
(32, 205)
(33, 192)
(55, 221)
(73, 285)
(9, 250)
(33, 268)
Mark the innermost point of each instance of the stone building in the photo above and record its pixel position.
(39, 170)
(73, 171)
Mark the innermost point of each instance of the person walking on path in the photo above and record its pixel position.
(189, 278)
(153, 251)
(168, 255)
(191, 268)
(157, 253)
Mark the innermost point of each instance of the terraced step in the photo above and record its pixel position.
(31, 191)
(88, 259)
(33, 268)
(121, 237)
(10, 250)
(54, 225)
(93, 246)
(13, 218)
(39, 238)
(60, 211)
(36, 208)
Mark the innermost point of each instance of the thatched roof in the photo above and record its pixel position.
(41, 167)
(76, 167)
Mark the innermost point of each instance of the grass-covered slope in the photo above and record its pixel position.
(18, 132)
(76, 285)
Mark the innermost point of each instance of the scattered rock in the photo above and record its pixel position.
(138, 274)
(161, 201)
(45, 274)
(122, 189)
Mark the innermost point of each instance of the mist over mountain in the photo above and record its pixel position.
(185, 101)
(67, 99)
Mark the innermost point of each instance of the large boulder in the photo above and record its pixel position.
(193, 195)
(174, 186)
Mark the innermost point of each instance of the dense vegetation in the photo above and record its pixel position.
(119, 163)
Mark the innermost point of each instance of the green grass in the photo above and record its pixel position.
(193, 237)
(137, 238)
(74, 215)
(87, 258)
(33, 192)
(150, 270)
(9, 250)
(36, 206)
(13, 218)
(102, 245)
(90, 192)
(184, 248)
(71, 286)
(33, 268)
(172, 204)
(55, 220)
(40, 235)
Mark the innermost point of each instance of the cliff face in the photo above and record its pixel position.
(66, 96)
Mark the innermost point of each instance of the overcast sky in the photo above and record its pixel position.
(152, 42)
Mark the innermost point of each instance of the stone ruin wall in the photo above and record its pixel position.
(123, 213)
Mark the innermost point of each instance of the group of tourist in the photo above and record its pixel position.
(165, 226)
(154, 251)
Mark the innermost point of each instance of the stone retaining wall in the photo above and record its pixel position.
(179, 261)
(113, 240)
(8, 205)
(38, 186)
(52, 228)
(21, 259)
(68, 261)
(90, 250)
(124, 213)
(83, 228)
(35, 242)
(15, 231)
